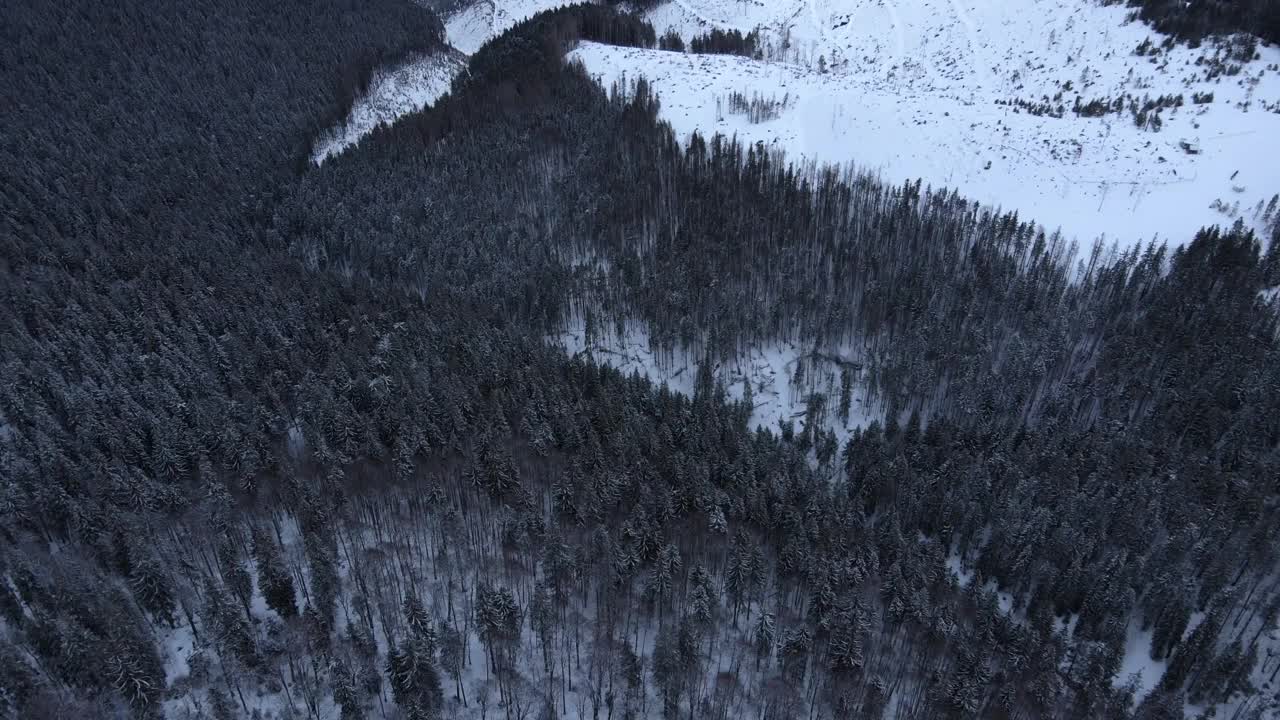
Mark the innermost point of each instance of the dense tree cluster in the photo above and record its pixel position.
(726, 42)
(758, 108)
(290, 437)
(671, 40)
(146, 109)
(1195, 21)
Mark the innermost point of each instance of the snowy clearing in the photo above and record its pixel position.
(771, 371)
(1137, 666)
(966, 94)
(393, 92)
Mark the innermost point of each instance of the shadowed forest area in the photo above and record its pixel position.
(289, 440)
(1195, 21)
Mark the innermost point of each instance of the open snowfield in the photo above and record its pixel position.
(915, 89)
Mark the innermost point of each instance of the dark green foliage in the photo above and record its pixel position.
(273, 577)
(415, 682)
(230, 627)
(346, 691)
(676, 661)
(84, 633)
(1169, 625)
(725, 42)
(1195, 21)
(764, 636)
(235, 576)
(153, 588)
(135, 180)
(19, 683)
(793, 654)
(498, 621)
(321, 556)
(1161, 705)
(451, 652)
(671, 40)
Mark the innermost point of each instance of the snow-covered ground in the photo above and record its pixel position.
(1265, 699)
(930, 89)
(919, 89)
(770, 370)
(483, 20)
(416, 83)
(1137, 664)
(393, 92)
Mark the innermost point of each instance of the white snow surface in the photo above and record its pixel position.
(911, 90)
(393, 92)
(771, 370)
(176, 647)
(1137, 662)
(483, 20)
(420, 81)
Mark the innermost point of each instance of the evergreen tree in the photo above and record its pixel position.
(273, 578)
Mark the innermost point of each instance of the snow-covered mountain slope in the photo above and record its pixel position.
(412, 85)
(393, 92)
(476, 24)
(968, 93)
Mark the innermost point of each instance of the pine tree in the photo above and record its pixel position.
(152, 587)
(846, 394)
(273, 578)
(345, 690)
(235, 577)
(231, 630)
(451, 656)
(498, 621)
(793, 654)
(844, 649)
(763, 637)
(415, 682)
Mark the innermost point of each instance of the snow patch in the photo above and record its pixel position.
(956, 567)
(1137, 662)
(176, 647)
(771, 371)
(393, 93)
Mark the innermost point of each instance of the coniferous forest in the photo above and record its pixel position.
(1195, 21)
(282, 440)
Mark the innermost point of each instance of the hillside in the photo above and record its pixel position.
(980, 96)
(392, 92)
(521, 404)
(1033, 108)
